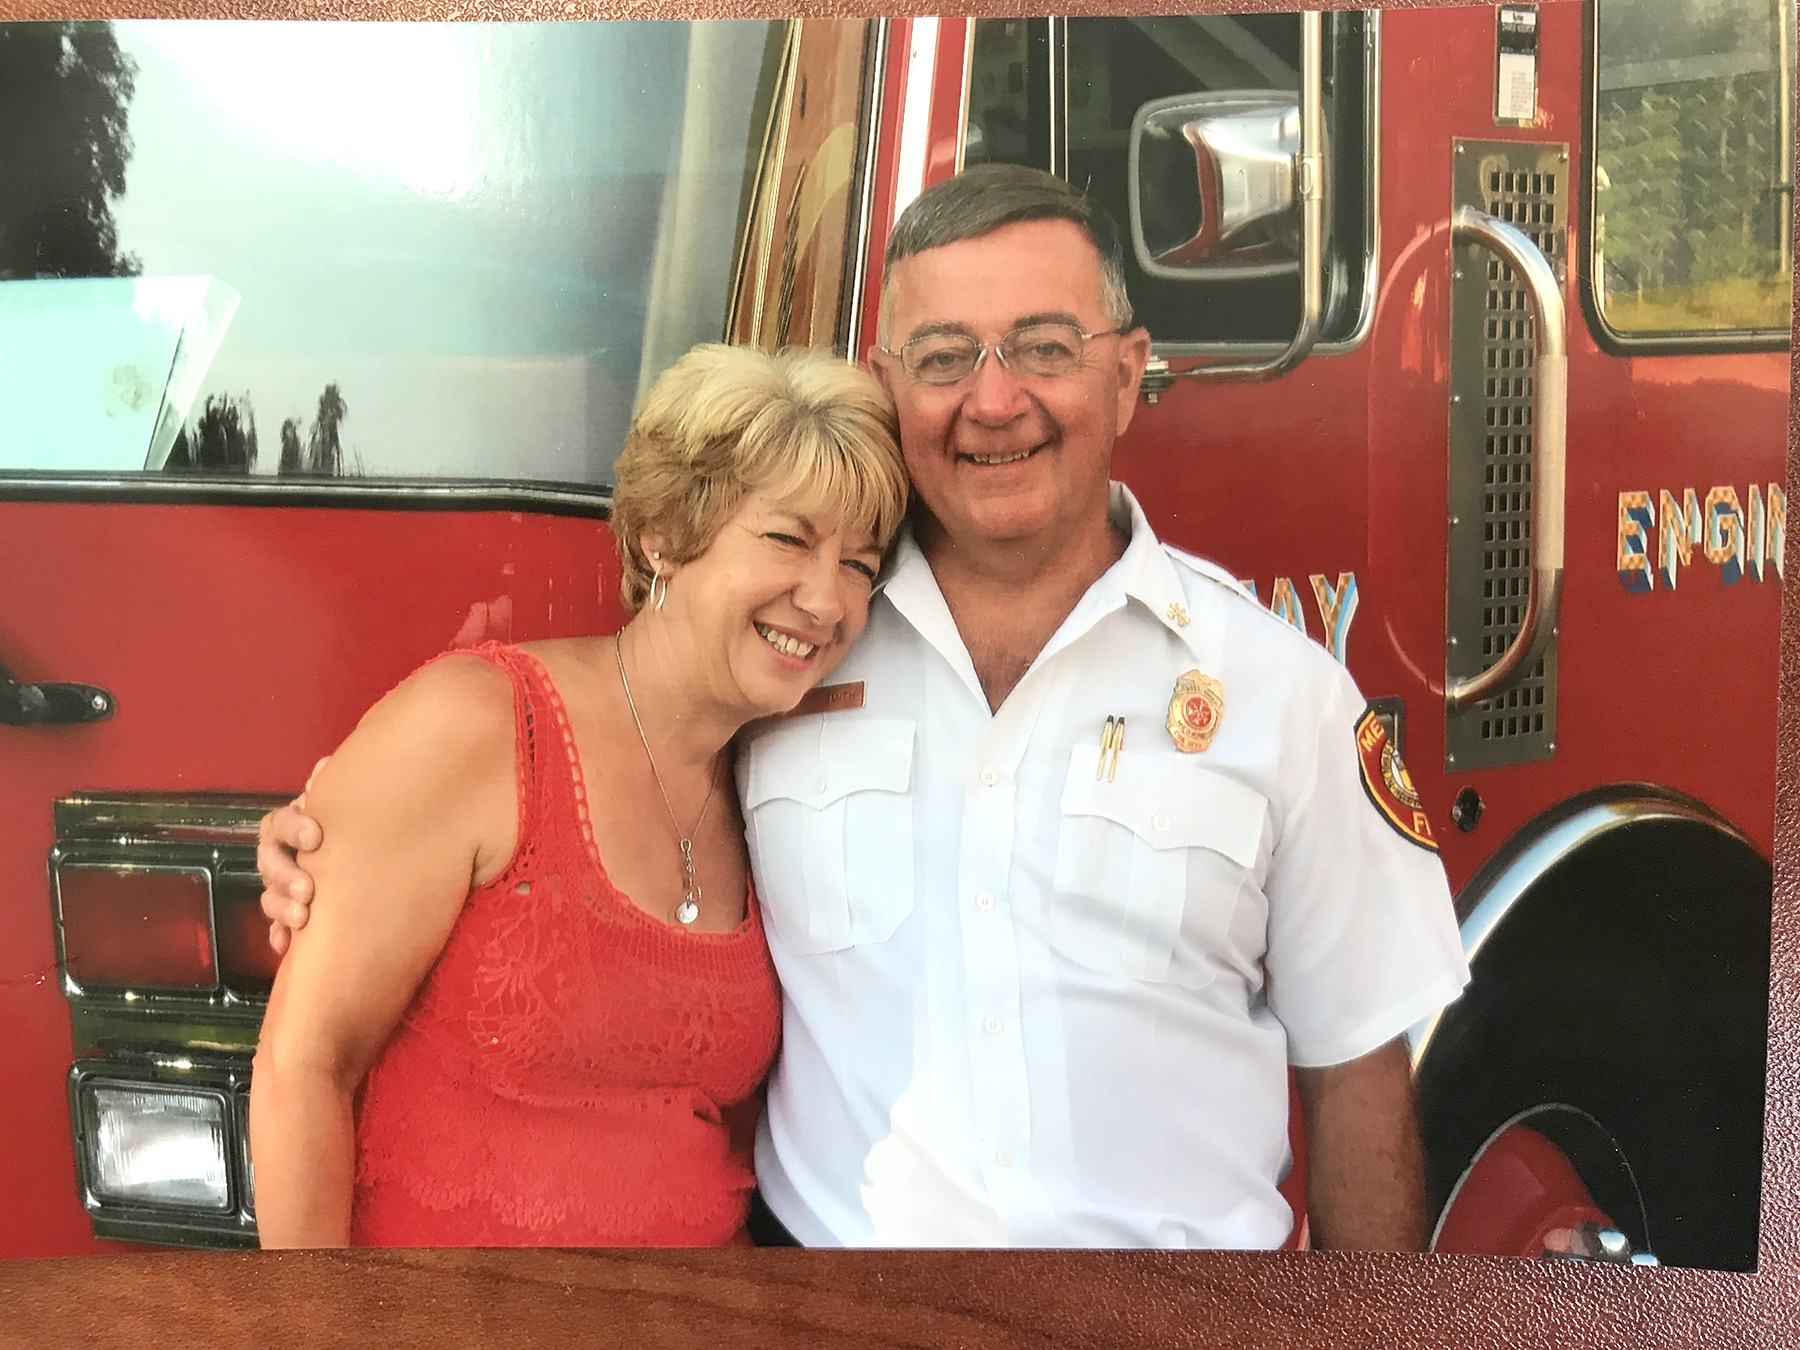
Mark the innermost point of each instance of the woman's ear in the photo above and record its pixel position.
(655, 546)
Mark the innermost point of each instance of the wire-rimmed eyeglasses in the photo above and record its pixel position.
(1044, 349)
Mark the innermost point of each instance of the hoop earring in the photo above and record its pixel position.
(658, 586)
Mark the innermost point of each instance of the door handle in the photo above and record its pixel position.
(51, 703)
(1549, 424)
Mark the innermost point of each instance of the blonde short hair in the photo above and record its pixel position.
(806, 428)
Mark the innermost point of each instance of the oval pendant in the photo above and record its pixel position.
(687, 911)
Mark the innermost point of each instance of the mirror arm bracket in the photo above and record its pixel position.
(1310, 168)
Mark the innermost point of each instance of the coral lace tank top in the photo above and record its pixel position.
(563, 1075)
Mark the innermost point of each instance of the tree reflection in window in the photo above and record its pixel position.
(1693, 141)
(462, 250)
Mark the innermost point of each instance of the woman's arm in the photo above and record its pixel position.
(418, 806)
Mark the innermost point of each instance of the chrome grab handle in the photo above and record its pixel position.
(1549, 436)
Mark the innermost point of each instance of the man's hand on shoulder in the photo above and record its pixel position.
(287, 896)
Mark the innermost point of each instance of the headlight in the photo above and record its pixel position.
(151, 1145)
(160, 1147)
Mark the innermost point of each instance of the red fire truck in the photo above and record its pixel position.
(1470, 359)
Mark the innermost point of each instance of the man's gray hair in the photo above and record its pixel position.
(984, 198)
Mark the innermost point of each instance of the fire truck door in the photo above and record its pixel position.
(1612, 870)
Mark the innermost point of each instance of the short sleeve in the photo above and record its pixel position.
(1363, 939)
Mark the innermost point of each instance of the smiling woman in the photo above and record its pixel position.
(535, 986)
(725, 423)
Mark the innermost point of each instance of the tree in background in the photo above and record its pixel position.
(323, 454)
(291, 461)
(223, 440)
(1692, 217)
(1641, 206)
(65, 89)
(324, 446)
(1733, 227)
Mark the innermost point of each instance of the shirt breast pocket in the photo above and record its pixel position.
(1153, 858)
(829, 813)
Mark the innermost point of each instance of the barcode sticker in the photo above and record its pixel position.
(1516, 98)
(1515, 67)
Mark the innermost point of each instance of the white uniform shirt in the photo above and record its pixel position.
(1027, 1007)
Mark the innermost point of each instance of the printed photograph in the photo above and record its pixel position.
(1148, 631)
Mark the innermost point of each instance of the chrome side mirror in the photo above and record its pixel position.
(1215, 185)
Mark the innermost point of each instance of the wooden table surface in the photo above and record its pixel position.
(867, 1300)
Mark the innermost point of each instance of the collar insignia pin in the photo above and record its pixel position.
(1194, 711)
(1178, 615)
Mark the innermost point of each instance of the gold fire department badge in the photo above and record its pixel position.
(1194, 711)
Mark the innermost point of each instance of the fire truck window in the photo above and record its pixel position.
(1693, 148)
(441, 251)
(1006, 60)
(1100, 71)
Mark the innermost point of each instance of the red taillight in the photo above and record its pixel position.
(246, 960)
(148, 927)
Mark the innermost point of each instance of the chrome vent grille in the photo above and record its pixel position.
(1490, 450)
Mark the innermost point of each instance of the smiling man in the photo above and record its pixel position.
(1094, 861)
(1087, 849)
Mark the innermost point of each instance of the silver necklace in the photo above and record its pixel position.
(689, 909)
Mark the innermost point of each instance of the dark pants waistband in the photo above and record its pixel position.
(765, 1229)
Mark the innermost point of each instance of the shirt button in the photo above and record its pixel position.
(984, 902)
(819, 786)
(989, 777)
(1004, 1157)
(993, 1024)
(1160, 820)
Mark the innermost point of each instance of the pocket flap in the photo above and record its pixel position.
(820, 760)
(1168, 802)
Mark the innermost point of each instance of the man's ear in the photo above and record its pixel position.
(1134, 355)
(882, 367)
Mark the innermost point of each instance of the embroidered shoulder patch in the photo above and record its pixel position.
(1386, 781)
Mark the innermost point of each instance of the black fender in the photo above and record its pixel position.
(1619, 952)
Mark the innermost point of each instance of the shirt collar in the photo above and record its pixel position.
(1144, 573)
(1148, 575)
(905, 568)
(909, 586)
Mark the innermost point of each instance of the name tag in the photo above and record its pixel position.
(822, 699)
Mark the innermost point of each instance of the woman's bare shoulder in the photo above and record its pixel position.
(460, 682)
(571, 659)
(443, 715)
